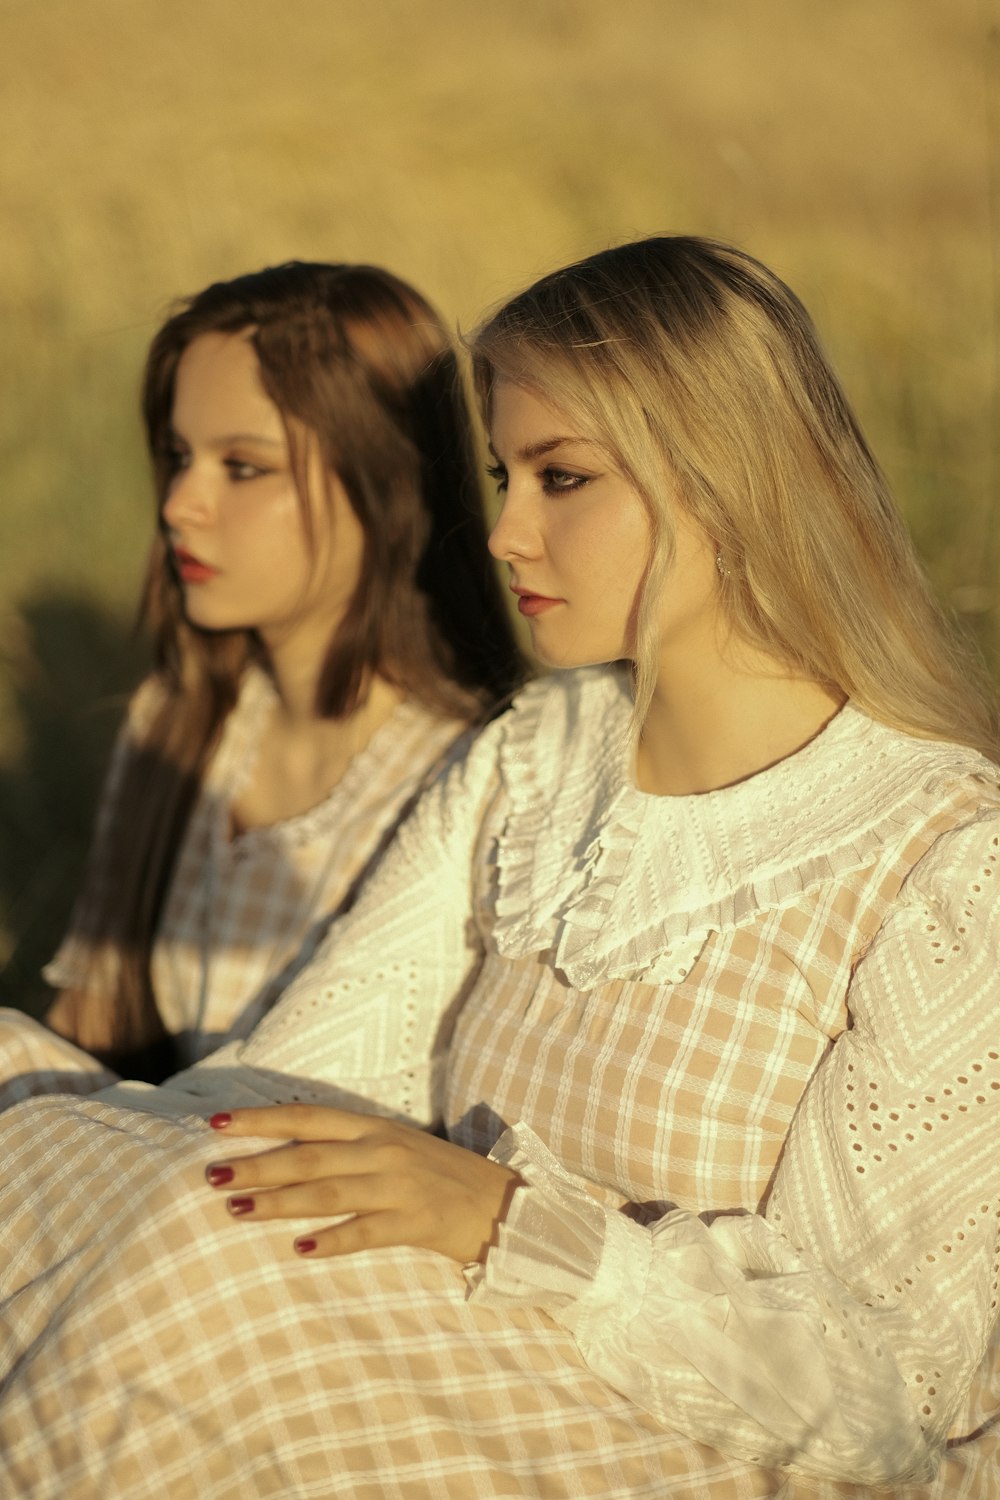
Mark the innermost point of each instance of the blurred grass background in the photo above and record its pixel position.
(150, 148)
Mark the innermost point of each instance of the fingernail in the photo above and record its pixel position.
(305, 1246)
(241, 1205)
(220, 1121)
(219, 1176)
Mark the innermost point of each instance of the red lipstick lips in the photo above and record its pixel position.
(191, 569)
(532, 604)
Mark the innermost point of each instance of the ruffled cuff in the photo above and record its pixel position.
(559, 1249)
(722, 1330)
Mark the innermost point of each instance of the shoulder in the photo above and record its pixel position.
(929, 762)
(865, 785)
(960, 870)
(940, 795)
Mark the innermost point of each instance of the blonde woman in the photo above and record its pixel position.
(324, 629)
(693, 957)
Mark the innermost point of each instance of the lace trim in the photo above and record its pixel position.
(658, 875)
(550, 1246)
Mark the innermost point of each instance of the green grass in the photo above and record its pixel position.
(853, 146)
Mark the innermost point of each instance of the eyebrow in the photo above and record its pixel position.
(548, 445)
(230, 438)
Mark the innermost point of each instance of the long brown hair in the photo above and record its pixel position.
(362, 363)
(701, 374)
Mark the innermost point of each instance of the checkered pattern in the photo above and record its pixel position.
(152, 1347)
(211, 1362)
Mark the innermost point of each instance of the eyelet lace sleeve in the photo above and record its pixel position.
(840, 1332)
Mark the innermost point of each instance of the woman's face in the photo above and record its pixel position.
(577, 537)
(233, 514)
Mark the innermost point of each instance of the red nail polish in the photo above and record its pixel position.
(219, 1176)
(305, 1246)
(241, 1205)
(220, 1121)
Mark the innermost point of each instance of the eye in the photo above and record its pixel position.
(176, 459)
(561, 481)
(240, 470)
(498, 473)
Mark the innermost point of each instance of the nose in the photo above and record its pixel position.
(515, 533)
(188, 502)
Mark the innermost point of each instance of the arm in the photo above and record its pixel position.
(839, 1332)
(367, 1024)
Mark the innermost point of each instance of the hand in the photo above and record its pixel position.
(402, 1186)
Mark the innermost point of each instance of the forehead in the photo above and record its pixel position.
(523, 421)
(218, 382)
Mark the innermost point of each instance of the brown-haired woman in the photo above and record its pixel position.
(324, 628)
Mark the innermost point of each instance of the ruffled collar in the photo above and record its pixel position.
(614, 883)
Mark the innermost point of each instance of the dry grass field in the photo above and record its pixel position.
(149, 148)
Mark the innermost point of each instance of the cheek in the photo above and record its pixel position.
(690, 595)
(278, 523)
(628, 548)
(618, 543)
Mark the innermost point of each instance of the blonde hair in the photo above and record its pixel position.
(702, 375)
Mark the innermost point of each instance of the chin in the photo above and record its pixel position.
(211, 624)
(574, 656)
(572, 663)
(560, 660)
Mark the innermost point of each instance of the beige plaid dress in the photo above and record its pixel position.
(742, 1047)
(243, 914)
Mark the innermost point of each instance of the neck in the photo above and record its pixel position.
(295, 674)
(300, 756)
(295, 683)
(295, 663)
(706, 730)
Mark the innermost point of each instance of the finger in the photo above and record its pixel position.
(301, 1122)
(294, 1163)
(372, 1231)
(331, 1196)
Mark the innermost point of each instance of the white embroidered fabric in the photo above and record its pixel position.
(850, 1354)
(839, 1329)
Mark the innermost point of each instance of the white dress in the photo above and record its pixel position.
(745, 1050)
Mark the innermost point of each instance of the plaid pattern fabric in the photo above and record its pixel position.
(709, 1075)
(151, 1346)
(211, 1362)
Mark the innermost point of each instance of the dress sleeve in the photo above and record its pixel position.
(839, 1332)
(72, 965)
(367, 1023)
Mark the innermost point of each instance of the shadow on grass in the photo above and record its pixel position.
(70, 678)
